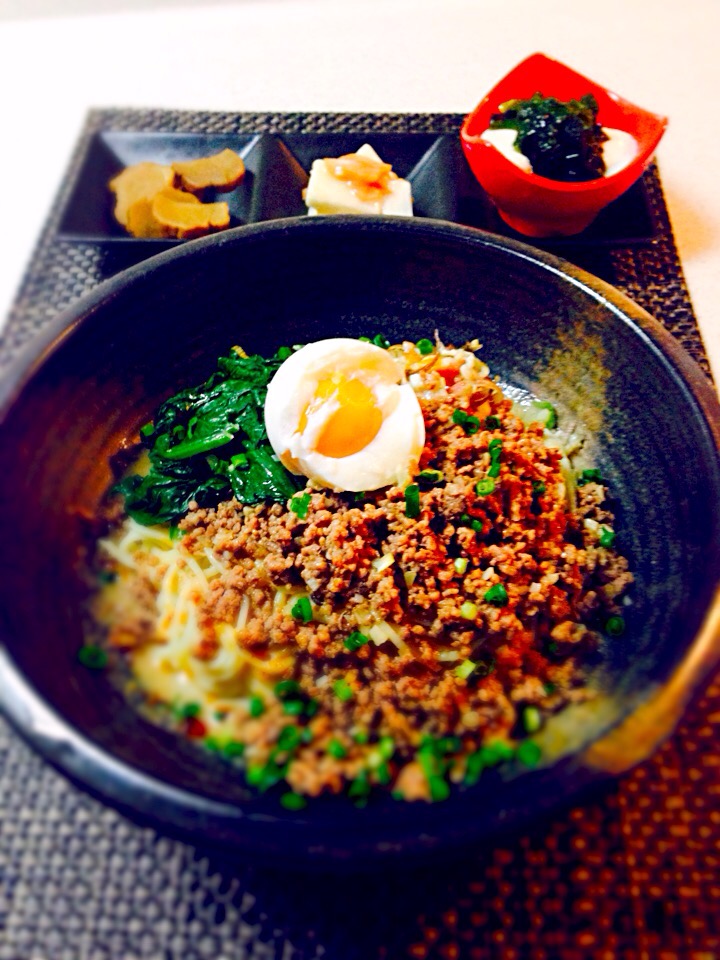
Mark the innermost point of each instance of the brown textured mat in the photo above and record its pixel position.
(630, 874)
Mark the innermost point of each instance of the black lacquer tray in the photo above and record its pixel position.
(631, 874)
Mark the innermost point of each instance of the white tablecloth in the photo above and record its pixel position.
(352, 55)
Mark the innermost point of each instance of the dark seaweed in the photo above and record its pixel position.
(562, 140)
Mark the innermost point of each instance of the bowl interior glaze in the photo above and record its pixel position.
(650, 419)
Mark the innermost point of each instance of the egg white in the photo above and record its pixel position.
(391, 457)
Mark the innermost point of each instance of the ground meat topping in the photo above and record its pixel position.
(468, 614)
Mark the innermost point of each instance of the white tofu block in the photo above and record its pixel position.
(326, 194)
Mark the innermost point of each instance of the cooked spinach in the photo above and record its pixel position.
(208, 444)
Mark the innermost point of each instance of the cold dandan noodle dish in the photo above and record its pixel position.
(354, 567)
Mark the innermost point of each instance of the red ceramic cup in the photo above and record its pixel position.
(537, 206)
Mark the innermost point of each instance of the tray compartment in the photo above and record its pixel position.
(89, 215)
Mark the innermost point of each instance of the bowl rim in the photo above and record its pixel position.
(176, 810)
(538, 61)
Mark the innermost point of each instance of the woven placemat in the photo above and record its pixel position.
(630, 874)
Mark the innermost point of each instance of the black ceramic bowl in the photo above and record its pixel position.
(652, 424)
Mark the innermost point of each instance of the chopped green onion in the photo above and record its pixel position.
(342, 689)
(496, 752)
(336, 749)
(607, 537)
(412, 501)
(213, 744)
(382, 773)
(375, 759)
(355, 640)
(380, 341)
(146, 430)
(187, 711)
(264, 776)
(484, 667)
(361, 736)
(293, 801)
(429, 477)
(467, 421)
(615, 626)
(220, 714)
(302, 610)
(531, 719)
(473, 522)
(233, 749)
(299, 505)
(459, 416)
(360, 788)
(448, 744)
(239, 460)
(529, 753)
(464, 669)
(386, 747)
(549, 687)
(538, 486)
(485, 486)
(431, 757)
(286, 688)
(174, 532)
(364, 339)
(289, 738)
(551, 416)
(425, 346)
(311, 707)
(439, 790)
(497, 595)
(283, 353)
(473, 768)
(492, 422)
(92, 657)
(589, 476)
(468, 610)
(494, 449)
(460, 564)
(293, 708)
(257, 706)
(255, 774)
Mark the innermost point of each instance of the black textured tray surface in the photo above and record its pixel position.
(631, 874)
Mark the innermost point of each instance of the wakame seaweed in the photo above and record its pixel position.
(561, 139)
(208, 444)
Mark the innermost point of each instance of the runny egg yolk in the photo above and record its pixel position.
(354, 421)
